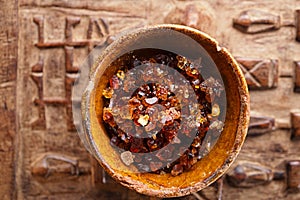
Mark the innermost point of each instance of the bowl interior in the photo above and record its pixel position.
(210, 167)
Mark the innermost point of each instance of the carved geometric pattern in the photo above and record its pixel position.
(68, 45)
(295, 123)
(260, 125)
(297, 76)
(37, 77)
(249, 174)
(298, 25)
(259, 73)
(256, 21)
(293, 175)
(51, 163)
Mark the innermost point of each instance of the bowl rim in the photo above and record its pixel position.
(241, 132)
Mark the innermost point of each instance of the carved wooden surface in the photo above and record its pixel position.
(298, 25)
(295, 122)
(297, 77)
(56, 36)
(259, 73)
(293, 179)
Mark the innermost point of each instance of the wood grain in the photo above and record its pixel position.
(54, 37)
(8, 69)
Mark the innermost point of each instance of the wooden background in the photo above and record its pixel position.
(43, 42)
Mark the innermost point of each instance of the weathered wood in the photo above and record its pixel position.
(256, 21)
(8, 75)
(248, 174)
(52, 46)
(297, 77)
(298, 25)
(259, 73)
(293, 175)
(295, 121)
(56, 36)
(260, 125)
(197, 15)
(50, 164)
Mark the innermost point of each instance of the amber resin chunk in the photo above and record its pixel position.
(144, 117)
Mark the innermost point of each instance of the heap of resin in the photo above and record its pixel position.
(150, 117)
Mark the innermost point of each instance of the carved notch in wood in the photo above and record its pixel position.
(259, 73)
(295, 122)
(53, 163)
(249, 174)
(293, 175)
(297, 76)
(39, 20)
(298, 25)
(37, 77)
(260, 125)
(71, 71)
(256, 21)
(71, 22)
(194, 15)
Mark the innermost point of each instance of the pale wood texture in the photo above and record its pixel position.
(54, 37)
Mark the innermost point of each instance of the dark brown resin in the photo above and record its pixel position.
(151, 116)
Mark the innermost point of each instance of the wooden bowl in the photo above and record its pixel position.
(210, 167)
